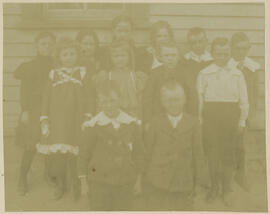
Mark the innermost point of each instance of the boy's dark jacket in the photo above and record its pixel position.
(112, 159)
(172, 155)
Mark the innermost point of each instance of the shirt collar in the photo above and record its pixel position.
(102, 119)
(206, 56)
(175, 119)
(247, 62)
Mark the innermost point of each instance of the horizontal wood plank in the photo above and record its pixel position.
(11, 9)
(228, 9)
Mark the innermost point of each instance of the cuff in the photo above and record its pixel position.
(43, 118)
(82, 176)
(242, 123)
(88, 115)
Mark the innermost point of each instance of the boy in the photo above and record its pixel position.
(196, 60)
(173, 150)
(171, 69)
(223, 110)
(33, 76)
(240, 46)
(112, 145)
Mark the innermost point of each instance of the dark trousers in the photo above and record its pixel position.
(107, 197)
(26, 162)
(161, 200)
(220, 124)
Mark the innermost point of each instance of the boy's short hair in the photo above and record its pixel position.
(157, 26)
(64, 43)
(221, 41)
(45, 34)
(172, 85)
(87, 32)
(121, 18)
(195, 31)
(170, 44)
(238, 37)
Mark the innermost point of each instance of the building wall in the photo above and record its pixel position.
(217, 19)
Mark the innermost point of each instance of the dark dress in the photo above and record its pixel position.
(33, 76)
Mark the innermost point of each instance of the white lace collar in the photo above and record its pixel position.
(206, 56)
(247, 62)
(215, 68)
(102, 119)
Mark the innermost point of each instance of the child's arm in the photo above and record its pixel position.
(243, 101)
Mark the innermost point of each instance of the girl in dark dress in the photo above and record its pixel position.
(62, 116)
(33, 76)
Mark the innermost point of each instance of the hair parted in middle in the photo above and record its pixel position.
(65, 43)
(156, 27)
(238, 37)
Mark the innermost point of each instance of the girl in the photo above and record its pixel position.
(131, 83)
(112, 145)
(223, 110)
(160, 33)
(62, 114)
(33, 76)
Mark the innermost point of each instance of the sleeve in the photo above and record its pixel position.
(86, 146)
(46, 95)
(243, 100)
(148, 99)
(138, 152)
(89, 96)
(200, 91)
(22, 73)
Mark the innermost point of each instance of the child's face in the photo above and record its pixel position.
(87, 46)
(169, 56)
(162, 36)
(68, 57)
(173, 102)
(122, 32)
(45, 46)
(198, 43)
(221, 55)
(120, 58)
(110, 104)
(240, 50)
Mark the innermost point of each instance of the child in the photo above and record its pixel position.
(173, 150)
(172, 68)
(161, 32)
(240, 46)
(33, 76)
(196, 59)
(62, 115)
(89, 58)
(223, 110)
(113, 146)
(131, 83)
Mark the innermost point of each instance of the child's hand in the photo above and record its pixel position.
(25, 117)
(84, 186)
(138, 186)
(45, 128)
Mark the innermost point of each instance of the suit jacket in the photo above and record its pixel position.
(111, 156)
(172, 154)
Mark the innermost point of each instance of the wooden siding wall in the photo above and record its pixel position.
(218, 20)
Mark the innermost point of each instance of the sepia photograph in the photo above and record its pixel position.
(134, 106)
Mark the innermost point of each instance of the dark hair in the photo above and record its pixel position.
(195, 31)
(45, 34)
(221, 41)
(87, 32)
(156, 27)
(121, 18)
(238, 37)
(126, 46)
(171, 85)
(106, 87)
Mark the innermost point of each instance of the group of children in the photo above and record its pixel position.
(123, 120)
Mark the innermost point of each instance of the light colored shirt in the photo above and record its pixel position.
(175, 119)
(247, 62)
(216, 84)
(155, 63)
(206, 56)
